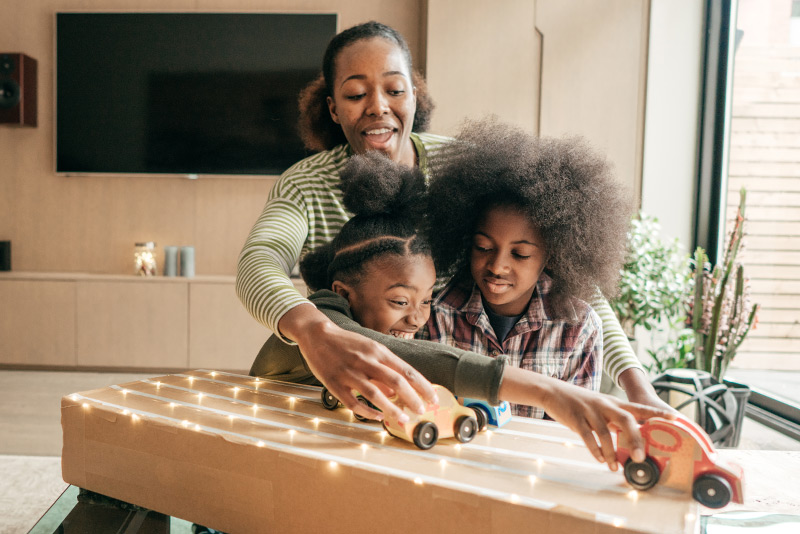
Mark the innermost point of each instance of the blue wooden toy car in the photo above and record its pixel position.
(488, 414)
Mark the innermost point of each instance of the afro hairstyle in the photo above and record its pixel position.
(564, 188)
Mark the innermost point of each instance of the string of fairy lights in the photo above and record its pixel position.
(376, 439)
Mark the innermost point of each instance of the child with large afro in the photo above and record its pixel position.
(530, 229)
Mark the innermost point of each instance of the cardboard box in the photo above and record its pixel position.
(244, 455)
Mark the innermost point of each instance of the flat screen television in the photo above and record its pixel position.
(183, 93)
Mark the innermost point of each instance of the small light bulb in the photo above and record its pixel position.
(633, 495)
(315, 421)
(364, 447)
(539, 462)
(73, 397)
(260, 444)
(185, 423)
(231, 417)
(292, 431)
(85, 404)
(171, 404)
(213, 373)
(125, 412)
(489, 433)
(197, 427)
(443, 462)
(333, 465)
(567, 444)
(199, 396)
(134, 417)
(158, 385)
(236, 389)
(618, 522)
(124, 391)
(418, 481)
(532, 478)
(457, 446)
(514, 498)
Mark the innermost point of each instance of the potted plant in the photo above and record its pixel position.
(653, 281)
(719, 318)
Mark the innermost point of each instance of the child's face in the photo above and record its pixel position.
(508, 256)
(394, 294)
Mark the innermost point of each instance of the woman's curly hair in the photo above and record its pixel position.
(315, 125)
(562, 186)
(388, 201)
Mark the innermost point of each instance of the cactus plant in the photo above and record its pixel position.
(721, 314)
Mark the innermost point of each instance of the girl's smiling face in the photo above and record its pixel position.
(374, 100)
(508, 256)
(393, 295)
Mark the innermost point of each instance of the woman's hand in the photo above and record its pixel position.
(639, 390)
(346, 362)
(592, 415)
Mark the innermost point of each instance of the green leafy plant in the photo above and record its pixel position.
(721, 313)
(654, 279)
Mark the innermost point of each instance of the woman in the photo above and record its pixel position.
(368, 98)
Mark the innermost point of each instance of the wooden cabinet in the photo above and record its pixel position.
(38, 322)
(71, 320)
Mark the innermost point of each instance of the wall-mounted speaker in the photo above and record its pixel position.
(17, 89)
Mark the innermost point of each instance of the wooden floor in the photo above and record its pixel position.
(30, 417)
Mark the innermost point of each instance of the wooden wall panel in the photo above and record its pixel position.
(141, 323)
(38, 322)
(593, 77)
(483, 58)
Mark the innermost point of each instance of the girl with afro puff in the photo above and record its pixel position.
(531, 230)
(376, 278)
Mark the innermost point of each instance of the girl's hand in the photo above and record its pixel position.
(346, 362)
(592, 415)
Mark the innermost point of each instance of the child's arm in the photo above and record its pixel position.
(478, 376)
(586, 412)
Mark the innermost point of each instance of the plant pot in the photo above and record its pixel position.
(718, 408)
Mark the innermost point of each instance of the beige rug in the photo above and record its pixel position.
(28, 486)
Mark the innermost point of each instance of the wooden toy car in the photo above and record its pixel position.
(486, 414)
(446, 419)
(331, 403)
(680, 455)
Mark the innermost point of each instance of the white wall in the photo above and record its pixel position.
(671, 115)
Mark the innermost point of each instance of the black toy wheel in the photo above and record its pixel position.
(712, 491)
(481, 417)
(328, 400)
(642, 476)
(365, 402)
(425, 435)
(466, 428)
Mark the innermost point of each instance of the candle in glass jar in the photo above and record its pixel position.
(144, 257)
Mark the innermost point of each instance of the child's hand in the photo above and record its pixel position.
(592, 415)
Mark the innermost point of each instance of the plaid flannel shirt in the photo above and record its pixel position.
(570, 352)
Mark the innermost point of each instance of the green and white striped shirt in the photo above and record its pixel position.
(304, 210)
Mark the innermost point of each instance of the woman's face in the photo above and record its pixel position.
(394, 294)
(374, 100)
(508, 256)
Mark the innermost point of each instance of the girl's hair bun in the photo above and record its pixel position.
(373, 184)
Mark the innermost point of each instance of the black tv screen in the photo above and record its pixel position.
(183, 93)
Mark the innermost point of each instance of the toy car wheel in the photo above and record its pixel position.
(425, 435)
(365, 402)
(328, 400)
(642, 475)
(481, 417)
(466, 428)
(711, 491)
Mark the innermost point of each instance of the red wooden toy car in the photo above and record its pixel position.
(680, 455)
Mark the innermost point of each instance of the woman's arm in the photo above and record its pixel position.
(620, 362)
